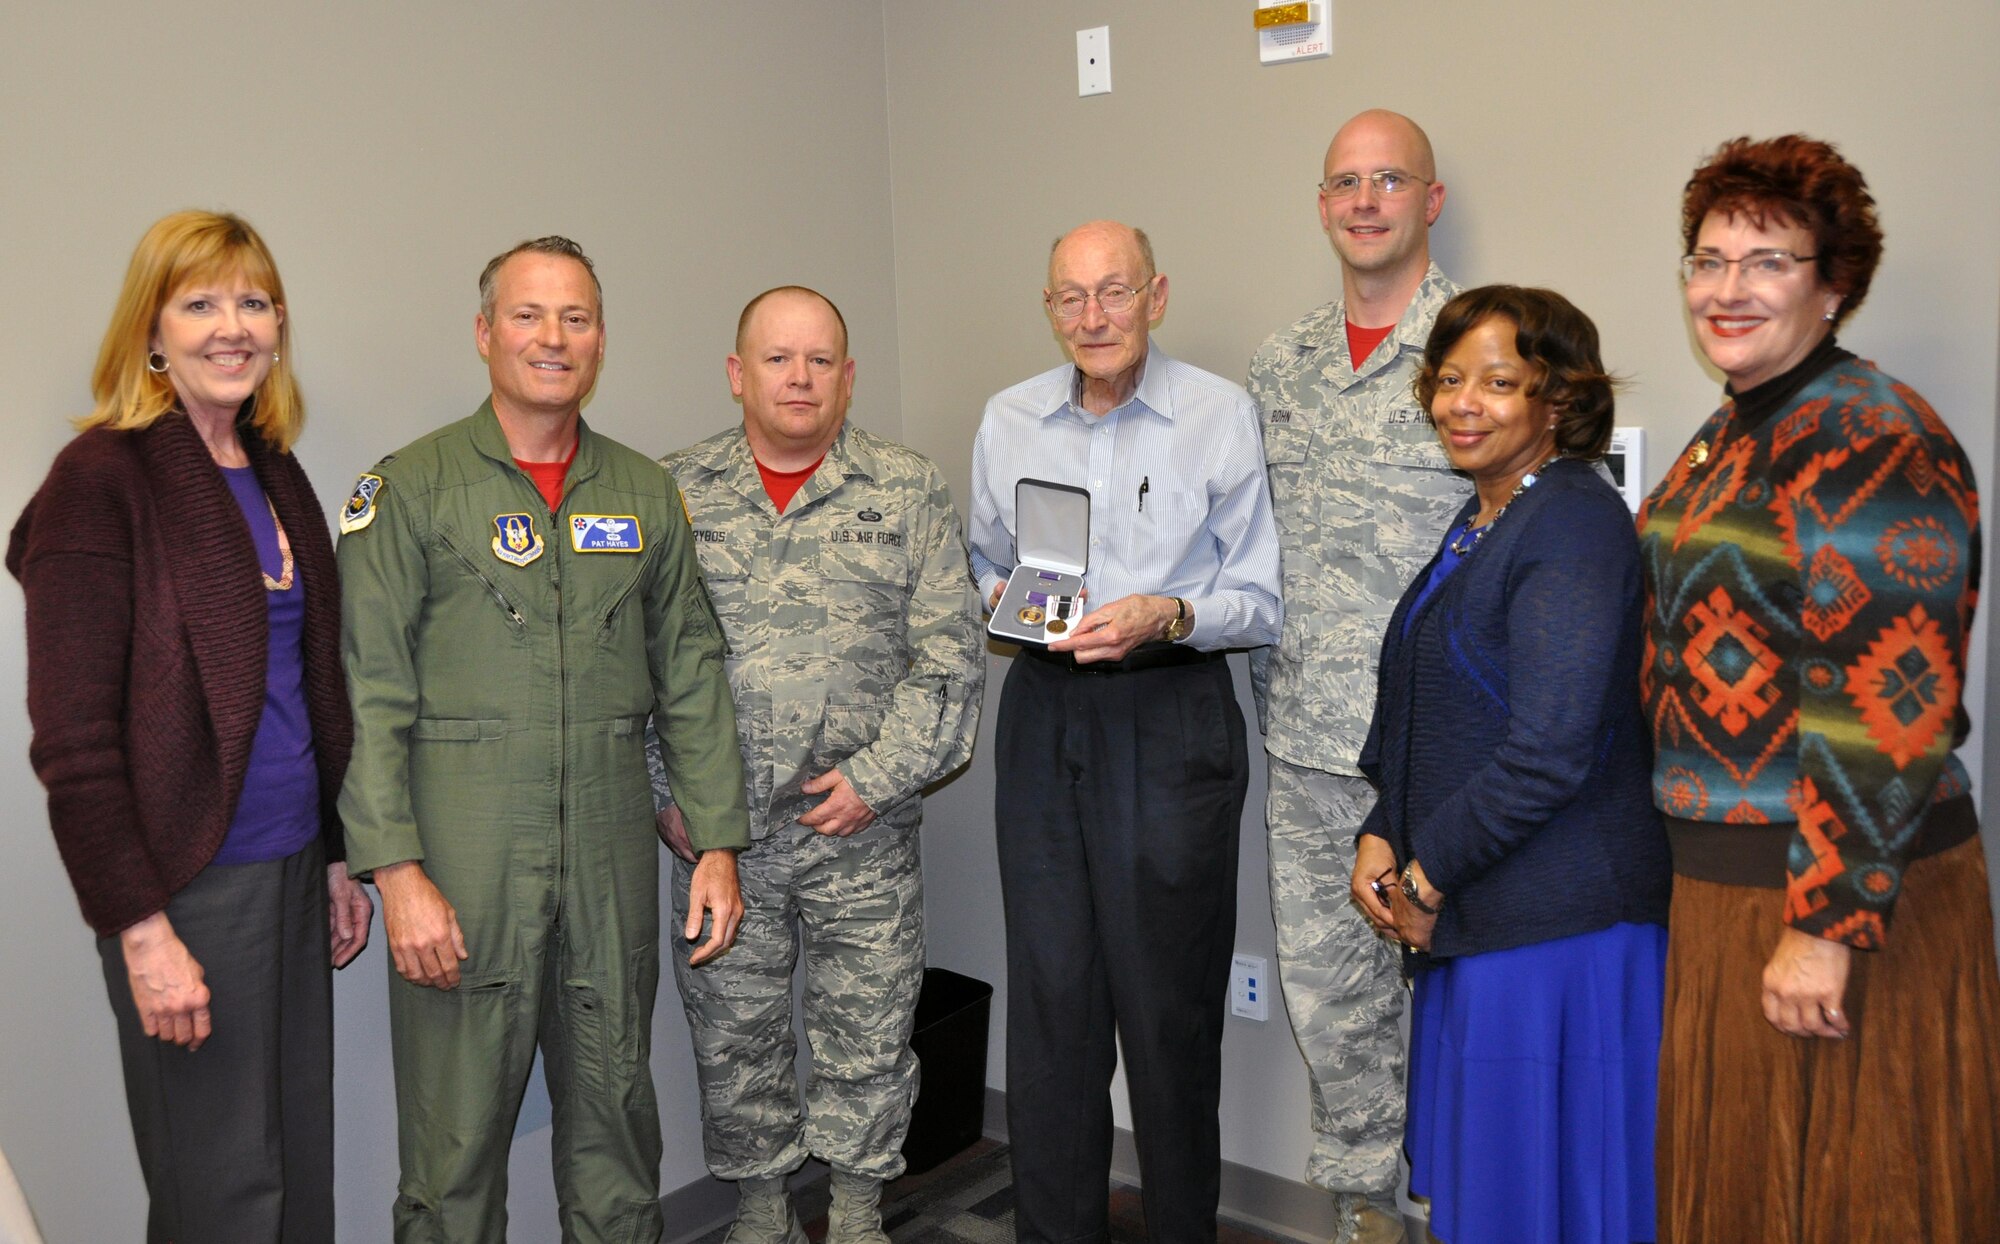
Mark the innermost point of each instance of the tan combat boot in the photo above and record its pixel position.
(1359, 1220)
(764, 1214)
(856, 1214)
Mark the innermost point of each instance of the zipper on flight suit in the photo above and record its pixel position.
(562, 724)
(604, 627)
(556, 524)
(513, 614)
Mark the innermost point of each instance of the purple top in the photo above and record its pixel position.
(278, 813)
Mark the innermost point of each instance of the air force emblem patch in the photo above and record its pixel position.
(360, 508)
(516, 541)
(605, 533)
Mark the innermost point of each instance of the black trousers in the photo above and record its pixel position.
(1118, 805)
(236, 1139)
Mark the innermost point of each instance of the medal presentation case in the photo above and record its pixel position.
(1051, 549)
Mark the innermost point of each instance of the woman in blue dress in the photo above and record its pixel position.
(1514, 847)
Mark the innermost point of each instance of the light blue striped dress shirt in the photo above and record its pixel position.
(1192, 440)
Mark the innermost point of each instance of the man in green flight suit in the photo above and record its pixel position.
(520, 596)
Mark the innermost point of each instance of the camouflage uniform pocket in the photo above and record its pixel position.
(733, 608)
(1287, 453)
(1408, 439)
(1419, 492)
(867, 553)
(864, 589)
(851, 723)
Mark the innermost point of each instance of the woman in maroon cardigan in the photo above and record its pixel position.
(191, 726)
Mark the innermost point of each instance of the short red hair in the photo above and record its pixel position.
(1798, 181)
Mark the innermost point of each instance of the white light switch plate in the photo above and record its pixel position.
(1093, 61)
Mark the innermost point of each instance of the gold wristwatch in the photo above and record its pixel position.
(1178, 629)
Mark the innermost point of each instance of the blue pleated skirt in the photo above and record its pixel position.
(1534, 1075)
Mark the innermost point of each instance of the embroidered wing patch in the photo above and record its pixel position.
(606, 533)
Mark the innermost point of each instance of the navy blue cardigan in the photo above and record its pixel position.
(1508, 745)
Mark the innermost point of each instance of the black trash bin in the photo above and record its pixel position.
(950, 1045)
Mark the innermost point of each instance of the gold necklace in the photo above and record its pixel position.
(283, 583)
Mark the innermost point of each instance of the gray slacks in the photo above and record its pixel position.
(236, 1139)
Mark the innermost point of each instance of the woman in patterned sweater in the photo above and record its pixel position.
(1828, 1069)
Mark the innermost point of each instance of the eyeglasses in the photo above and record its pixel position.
(1112, 299)
(1387, 182)
(1758, 268)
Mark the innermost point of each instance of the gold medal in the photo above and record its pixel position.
(1697, 453)
(1031, 615)
(1057, 626)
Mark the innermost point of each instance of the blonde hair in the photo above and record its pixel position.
(177, 251)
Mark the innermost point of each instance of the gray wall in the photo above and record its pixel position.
(1564, 132)
(700, 152)
(913, 159)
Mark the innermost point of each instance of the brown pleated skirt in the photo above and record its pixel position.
(1890, 1135)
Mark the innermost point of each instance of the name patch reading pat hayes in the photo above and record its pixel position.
(606, 533)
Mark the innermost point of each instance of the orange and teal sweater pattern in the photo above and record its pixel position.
(1810, 590)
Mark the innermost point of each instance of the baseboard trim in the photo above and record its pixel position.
(1286, 1208)
(1272, 1204)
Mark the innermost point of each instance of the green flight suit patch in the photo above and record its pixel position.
(360, 508)
(516, 541)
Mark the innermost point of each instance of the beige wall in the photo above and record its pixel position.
(700, 152)
(1564, 132)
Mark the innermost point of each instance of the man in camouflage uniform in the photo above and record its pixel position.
(838, 567)
(1362, 492)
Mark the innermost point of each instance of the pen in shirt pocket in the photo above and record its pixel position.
(1145, 486)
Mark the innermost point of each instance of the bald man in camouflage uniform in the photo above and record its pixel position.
(1362, 493)
(857, 667)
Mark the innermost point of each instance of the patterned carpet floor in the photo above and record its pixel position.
(970, 1200)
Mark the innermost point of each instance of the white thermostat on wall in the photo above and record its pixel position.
(1626, 461)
